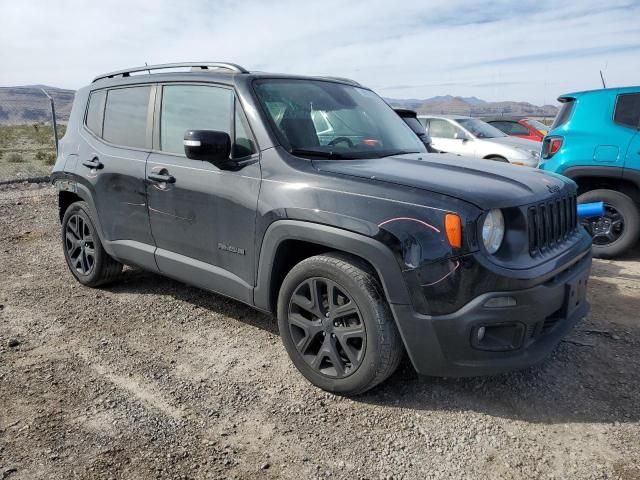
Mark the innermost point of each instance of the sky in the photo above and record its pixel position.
(496, 50)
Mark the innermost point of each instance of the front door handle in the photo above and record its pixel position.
(94, 163)
(164, 178)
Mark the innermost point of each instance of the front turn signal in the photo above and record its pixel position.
(453, 227)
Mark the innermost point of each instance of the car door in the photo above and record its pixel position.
(112, 160)
(449, 138)
(203, 216)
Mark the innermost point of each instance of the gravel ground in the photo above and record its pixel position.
(149, 378)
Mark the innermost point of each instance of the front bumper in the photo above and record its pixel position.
(514, 336)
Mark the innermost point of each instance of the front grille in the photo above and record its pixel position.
(550, 223)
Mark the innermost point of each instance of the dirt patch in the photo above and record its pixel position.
(149, 378)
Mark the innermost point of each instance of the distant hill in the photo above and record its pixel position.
(472, 106)
(27, 104)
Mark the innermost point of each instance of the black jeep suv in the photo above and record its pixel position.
(311, 199)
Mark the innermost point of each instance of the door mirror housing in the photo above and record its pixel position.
(461, 136)
(207, 145)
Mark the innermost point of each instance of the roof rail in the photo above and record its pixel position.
(232, 67)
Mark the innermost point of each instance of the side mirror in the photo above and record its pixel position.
(460, 136)
(207, 145)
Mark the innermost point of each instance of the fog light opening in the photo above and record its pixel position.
(499, 337)
(481, 332)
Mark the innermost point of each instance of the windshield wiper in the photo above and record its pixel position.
(319, 154)
(397, 152)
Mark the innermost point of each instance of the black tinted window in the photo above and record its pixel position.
(125, 116)
(95, 111)
(564, 114)
(415, 125)
(192, 107)
(511, 128)
(628, 110)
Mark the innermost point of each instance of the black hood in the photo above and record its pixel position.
(485, 183)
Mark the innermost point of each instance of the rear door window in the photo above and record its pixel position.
(627, 110)
(125, 116)
(95, 112)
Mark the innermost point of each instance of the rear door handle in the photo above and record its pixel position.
(94, 163)
(164, 178)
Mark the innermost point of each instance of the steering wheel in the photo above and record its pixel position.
(337, 140)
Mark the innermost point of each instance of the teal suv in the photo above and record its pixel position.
(595, 141)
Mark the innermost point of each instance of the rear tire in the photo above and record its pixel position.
(619, 229)
(343, 337)
(86, 257)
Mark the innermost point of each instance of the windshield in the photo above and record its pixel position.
(541, 127)
(333, 120)
(480, 129)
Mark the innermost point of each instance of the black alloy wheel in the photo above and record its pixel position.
(87, 259)
(607, 229)
(80, 245)
(618, 230)
(326, 327)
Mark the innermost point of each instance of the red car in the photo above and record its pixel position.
(522, 127)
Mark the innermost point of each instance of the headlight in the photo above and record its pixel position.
(493, 231)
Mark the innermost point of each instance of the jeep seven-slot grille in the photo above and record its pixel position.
(551, 222)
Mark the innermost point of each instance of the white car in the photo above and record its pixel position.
(472, 137)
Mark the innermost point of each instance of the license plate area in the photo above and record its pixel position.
(576, 294)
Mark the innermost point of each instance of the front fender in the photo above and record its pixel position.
(377, 254)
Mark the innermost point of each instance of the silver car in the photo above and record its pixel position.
(472, 137)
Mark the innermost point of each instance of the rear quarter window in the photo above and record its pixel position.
(414, 124)
(627, 111)
(95, 111)
(564, 114)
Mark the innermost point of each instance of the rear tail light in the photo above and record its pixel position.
(551, 146)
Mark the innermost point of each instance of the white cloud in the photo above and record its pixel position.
(526, 50)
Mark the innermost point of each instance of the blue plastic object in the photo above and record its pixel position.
(595, 209)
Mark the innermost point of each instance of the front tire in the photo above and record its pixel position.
(336, 325)
(86, 257)
(619, 229)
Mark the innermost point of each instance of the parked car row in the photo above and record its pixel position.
(310, 199)
(475, 138)
(594, 140)
(522, 127)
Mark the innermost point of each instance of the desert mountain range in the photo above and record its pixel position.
(27, 104)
